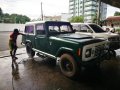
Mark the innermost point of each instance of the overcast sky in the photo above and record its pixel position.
(32, 8)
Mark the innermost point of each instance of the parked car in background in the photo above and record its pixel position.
(97, 32)
(57, 40)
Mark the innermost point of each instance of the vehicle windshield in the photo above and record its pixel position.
(59, 27)
(96, 28)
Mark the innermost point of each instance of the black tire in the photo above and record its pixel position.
(29, 50)
(113, 53)
(68, 65)
(110, 54)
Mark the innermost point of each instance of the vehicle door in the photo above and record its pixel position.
(53, 43)
(41, 40)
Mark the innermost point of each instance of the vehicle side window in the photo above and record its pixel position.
(40, 29)
(29, 29)
(76, 27)
(53, 29)
(84, 28)
(65, 28)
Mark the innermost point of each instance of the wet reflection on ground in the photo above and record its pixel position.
(15, 71)
(43, 74)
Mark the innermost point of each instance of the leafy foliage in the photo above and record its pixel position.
(94, 18)
(77, 19)
(117, 13)
(1, 12)
(13, 18)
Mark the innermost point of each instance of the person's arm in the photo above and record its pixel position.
(21, 34)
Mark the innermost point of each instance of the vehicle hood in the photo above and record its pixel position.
(74, 36)
(78, 38)
(105, 35)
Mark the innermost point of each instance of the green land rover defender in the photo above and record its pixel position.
(57, 40)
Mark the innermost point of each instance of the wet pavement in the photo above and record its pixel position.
(42, 74)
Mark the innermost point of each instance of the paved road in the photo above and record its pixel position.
(41, 74)
(4, 39)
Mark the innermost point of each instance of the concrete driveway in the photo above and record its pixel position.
(41, 74)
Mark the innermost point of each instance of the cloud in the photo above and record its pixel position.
(32, 8)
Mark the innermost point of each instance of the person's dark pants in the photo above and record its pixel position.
(13, 48)
(13, 51)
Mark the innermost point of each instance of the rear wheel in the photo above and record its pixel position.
(29, 50)
(110, 54)
(68, 65)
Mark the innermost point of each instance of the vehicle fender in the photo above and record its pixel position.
(64, 50)
(28, 41)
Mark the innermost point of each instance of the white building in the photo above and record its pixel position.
(87, 8)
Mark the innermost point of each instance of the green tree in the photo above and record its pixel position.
(94, 18)
(1, 12)
(1, 15)
(117, 13)
(13, 18)
(77, 19)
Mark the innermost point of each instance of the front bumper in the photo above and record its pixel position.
(114, 45)
(94, 61)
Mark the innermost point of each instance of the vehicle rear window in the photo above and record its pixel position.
(29, 29)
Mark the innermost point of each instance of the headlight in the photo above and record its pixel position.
(88, 53)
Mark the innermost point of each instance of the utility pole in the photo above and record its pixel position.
(83, 11)
(41, 12)
(98, 13)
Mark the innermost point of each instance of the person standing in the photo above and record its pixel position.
(112, 29)
(13, 44)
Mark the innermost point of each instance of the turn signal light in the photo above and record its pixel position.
(79, 52)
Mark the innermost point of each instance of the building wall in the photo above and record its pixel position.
(87, 8)
(52, 18)
(10, 27)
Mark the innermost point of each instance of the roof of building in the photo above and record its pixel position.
(115, 3)
(113, 18)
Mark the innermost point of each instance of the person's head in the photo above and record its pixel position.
(112, 25)
(15, 31)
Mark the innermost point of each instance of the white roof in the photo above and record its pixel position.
(36, 22)
(81, 23)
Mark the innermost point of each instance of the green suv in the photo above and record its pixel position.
(57, 40)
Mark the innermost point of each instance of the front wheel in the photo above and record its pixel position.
(68, 65)
(29, 51)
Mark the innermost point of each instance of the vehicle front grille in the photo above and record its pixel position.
(114, 39)
(99, 50)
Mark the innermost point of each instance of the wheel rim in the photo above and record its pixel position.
(67, 66)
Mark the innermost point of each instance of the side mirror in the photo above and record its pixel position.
(89, 30)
